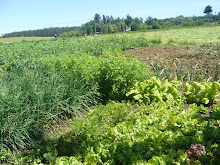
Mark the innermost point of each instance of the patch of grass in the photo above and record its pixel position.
(29, 100)
(20, 39)
(204, 50)
(197, 35)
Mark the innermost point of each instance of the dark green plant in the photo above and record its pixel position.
(111, 74)
(208, 10)
(30, 99)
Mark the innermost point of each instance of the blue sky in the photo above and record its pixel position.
(18, 15)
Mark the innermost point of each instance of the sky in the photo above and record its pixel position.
(19, 15)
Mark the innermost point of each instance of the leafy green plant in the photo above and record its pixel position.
(144, 134)
(155, 90)
(202, 93)
(111, 74)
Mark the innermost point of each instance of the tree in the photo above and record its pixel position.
(96, 19)
(134, 26)
(89, 30)
(128, 20)
(111, 20)
(149, 20)
(156, 25)
(104, 19)
(123, 26)
(208, 10)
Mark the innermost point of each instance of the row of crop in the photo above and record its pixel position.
(206, 93)
(41, 81)
(59, 86)
(111, 74)
(26, 54)
(29, 100)
(46, 80)
(122, 133)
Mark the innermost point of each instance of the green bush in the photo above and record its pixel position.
(111, 74)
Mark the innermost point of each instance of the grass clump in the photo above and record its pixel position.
(29, 100)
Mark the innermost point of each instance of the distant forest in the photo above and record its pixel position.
(47, 32)
(108, 24)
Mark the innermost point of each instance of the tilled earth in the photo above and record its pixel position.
(203, 59)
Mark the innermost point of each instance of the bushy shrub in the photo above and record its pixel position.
(117, 74)
(111, 74)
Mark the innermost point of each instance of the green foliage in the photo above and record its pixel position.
(73, 75)
(117, 74)
(208, 9)
(122, 133)
(109, 25)
(206, 93)
(202, 93)
(134, 27)
(43, 81)
(155, 90)
(111, 74)
(46, 32)
(30, 99)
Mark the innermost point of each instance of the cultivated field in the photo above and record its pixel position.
(20, 39)
(125, 98)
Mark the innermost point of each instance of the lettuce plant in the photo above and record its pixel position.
(155, 90)
(202, 93)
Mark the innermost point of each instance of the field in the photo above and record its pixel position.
(192, 35)
(200, 61)
(126, 98)
(20, 39)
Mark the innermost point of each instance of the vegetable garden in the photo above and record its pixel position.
(86, 101)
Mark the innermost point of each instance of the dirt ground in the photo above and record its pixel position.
(203, 59)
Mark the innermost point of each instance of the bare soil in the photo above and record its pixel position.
(204, 59)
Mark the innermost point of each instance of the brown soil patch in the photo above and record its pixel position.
(149, 54)
(183, 57)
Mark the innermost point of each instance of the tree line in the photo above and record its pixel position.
(109, 24)
(46, 32)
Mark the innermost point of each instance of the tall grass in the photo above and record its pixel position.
(30, 99)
